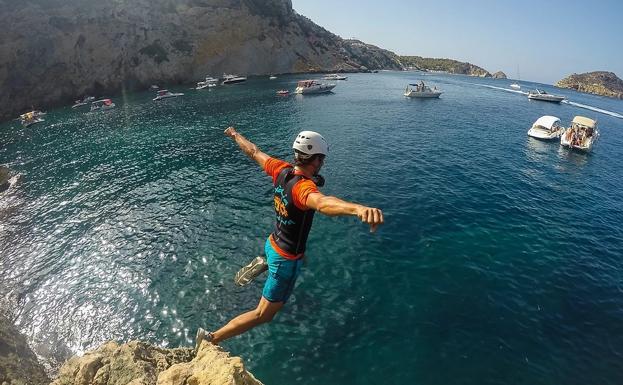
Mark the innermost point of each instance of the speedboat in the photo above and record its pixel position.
(421, 90)
(334, 77)
(272, 77)
(283, 92)
(163, 94)
(307, 87)
(102, 105)
(209, 82)
(546, 127)
(30, 118)
(581, 135)
(233, 79)
(83, 102)
(544, 96)
(515, 86)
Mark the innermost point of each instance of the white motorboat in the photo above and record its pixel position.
(307, 87)
(102, 105)
(233, 79)
(334, 77)
(421, 90)
(207, 83)
(30, 118)
(272, 77)
(164, 94)
(546, 127)
(544, 96)
(83, 102)
(581, 135)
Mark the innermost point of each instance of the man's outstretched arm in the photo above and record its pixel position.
(247, 146)
(332, 206)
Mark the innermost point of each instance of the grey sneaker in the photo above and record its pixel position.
(245, 275)
(202, 335)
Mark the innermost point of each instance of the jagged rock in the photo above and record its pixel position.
(18, 364)
(53, 52)
(138, 363)
(4, 178)
(599, 83)
(499, 75)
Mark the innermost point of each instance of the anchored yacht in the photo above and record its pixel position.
(164, 94)
(544, 96)
(421, 90)
(233, 79)
(546, 127)
(306, 87)
(581, 135)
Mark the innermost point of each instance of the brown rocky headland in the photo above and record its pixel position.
(599, 83)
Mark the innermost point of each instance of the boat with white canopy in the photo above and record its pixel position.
(581, 135)
(544, 96)
(421, 90)
(546, 127)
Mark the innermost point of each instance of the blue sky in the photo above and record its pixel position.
(544, 40)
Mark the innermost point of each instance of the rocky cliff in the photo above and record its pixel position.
(18, 364)
(598, 83)
(54, 51)
(137, 363)
(443, 65)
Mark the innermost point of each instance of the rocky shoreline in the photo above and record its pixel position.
(598, 83)
(135, 363)
(18, 363)
(138, 363)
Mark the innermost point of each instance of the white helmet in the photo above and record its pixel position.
(310, 143)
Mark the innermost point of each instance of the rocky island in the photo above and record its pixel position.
(443, 65)
(599, 83)
(53, 52)
(499, 75)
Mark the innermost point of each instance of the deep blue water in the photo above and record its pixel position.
(500, 261)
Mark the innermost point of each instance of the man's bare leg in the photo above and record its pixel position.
(264, 312)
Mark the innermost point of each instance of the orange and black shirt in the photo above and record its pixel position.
(293, 217)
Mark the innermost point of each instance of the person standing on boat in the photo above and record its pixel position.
(296, 199)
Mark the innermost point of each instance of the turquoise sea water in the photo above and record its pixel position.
(500, 261)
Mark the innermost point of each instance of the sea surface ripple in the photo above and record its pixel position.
(499, 263)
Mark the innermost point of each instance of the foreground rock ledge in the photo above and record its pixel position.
(138, 363)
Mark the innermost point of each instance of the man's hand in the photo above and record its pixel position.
(371, 216)
(231, 132)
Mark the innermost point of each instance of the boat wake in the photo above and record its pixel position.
(596, 109)
(600, 110)
(501, 88)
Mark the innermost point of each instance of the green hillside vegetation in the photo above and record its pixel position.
(445, 65)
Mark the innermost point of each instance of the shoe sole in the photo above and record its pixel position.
(251, 271)
(199, 338)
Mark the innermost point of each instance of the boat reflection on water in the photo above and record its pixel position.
(571, 160)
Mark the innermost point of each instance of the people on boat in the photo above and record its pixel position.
(296, 199)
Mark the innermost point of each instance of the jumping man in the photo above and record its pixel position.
(296, 199)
